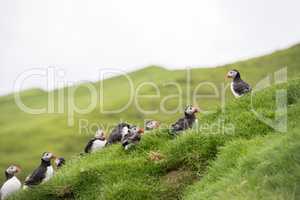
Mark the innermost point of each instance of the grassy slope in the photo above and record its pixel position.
(261, 168)
(251, 163)
(257, 168)
(50, 131)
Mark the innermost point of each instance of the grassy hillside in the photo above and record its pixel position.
(261, 168)
(25, 136)
(250, 163)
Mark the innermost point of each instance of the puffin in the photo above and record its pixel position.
(41, 174)
(238, 86)
(187, 121)
(59, 162)
(96, 143)
(132, 137)
(151, 124)
(117, 132)
(12, 183)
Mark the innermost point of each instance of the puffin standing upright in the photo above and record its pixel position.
(12, 183)
(132, 137)
(96, 143)
(151, 124)
(185, 122)
(238, 86)
(116, 134)
(41, 174)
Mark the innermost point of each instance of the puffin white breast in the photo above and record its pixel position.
(9, 187)
(233, 91)
(98, 144)
(49, 173)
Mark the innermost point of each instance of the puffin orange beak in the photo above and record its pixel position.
(196, 109)
(227, 77)
(141, 131)
(18, 169)
(53, 157)
(157, 124)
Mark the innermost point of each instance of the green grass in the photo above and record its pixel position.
(191, 163)
(248, 164)
(261, 168)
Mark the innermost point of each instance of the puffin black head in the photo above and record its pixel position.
(59, 162)
(47, 156)
(100, 134)
(11, 171)
(152, 124)
(191, 110)
(123, 124)
(234, 74)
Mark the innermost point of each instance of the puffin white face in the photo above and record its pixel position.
(47, 156)
(99, 134)
(124, 131)
(232, 74)
(152, 124)
(135, 130)
(191, 110)
(13, 169)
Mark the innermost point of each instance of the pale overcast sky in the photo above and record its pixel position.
(83, 36)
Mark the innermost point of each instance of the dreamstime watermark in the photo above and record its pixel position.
(136, 93)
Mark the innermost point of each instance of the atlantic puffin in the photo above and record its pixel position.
(59, 162)
(187, 121)
(12, 183)
(116, 134)
(41, 174)
(132, 137)
(238, 86)
(151, 124)
(96, 143)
